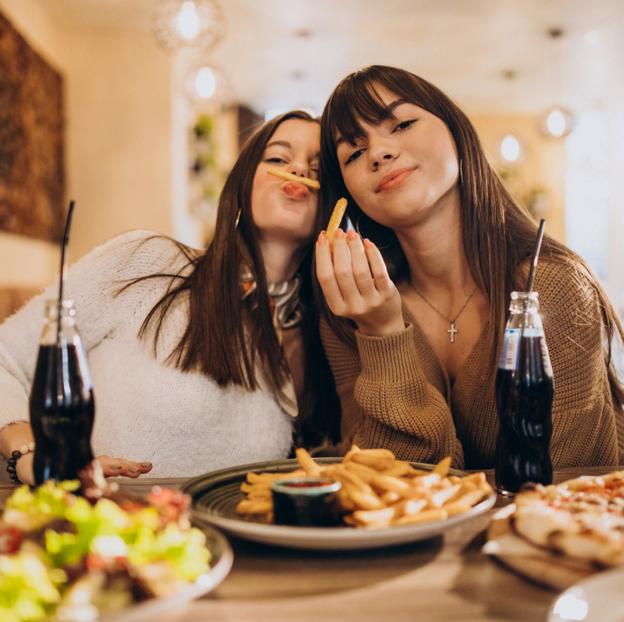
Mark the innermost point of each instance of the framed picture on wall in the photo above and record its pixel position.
(32, 193)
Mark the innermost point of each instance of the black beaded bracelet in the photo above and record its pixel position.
(12, 461)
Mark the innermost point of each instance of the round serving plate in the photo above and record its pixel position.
(215, 496)
(220, 565)
(595, 599)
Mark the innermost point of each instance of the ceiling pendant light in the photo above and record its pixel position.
(187, 23)
(557, 122)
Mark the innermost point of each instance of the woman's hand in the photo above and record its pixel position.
(356, 285)
(112, 467)
(24, 469)
(118, 467)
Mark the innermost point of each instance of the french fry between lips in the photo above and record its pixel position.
(306, 181)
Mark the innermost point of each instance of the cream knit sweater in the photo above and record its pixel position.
(184, 423)
(395, 393)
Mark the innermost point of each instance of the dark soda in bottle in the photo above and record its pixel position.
(524, 393)
(61, 400)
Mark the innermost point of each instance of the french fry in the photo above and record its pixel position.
(248, 506)
(374, 517)
(259, 478)
(477, 478)
(471, 497)
(426, 481)
(306, 462)
(425, 516)
(378, 461)
(440, 497)
(306, 181)
(393, 484)
(390, 497)
(409, 507)
(354, 449)
(398, 469)
(362, 471)
(365, 500)
(353, 480)
(245, 487)
(336, 217)
(442, 468)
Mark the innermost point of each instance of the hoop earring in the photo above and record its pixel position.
(356, 226)
(237, 220)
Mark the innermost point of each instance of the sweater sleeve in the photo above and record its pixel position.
(93, 283)
(584, 428)
(386, 400)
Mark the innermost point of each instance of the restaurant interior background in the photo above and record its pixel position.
(151, 125)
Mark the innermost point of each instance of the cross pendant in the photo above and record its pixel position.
(452, 331)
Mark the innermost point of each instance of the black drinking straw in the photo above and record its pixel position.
(59, 306)
(529, 286)
(536, 252)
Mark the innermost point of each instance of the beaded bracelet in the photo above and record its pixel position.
(15, 456)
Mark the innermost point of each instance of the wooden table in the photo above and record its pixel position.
(447, 578)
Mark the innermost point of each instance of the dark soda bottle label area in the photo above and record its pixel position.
(61, 414)
(524, 399)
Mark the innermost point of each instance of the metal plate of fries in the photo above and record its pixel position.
(386, 501)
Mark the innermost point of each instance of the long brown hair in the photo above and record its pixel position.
(498, 234)
(225, 336)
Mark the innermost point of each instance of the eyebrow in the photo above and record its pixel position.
(390, 108)
(279, 143)
(285, 143)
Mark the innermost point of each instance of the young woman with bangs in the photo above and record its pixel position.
(200, 359)
(417, 295)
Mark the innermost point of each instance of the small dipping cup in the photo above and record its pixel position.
(306, 502)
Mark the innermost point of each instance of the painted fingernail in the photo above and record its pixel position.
(339, 233)
(368, 243)
(322, 238)
(351, 235)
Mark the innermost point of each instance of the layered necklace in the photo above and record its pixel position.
(452, 331)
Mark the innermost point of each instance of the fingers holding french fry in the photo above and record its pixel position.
(377, 490)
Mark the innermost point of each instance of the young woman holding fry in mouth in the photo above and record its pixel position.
(416, 300)
(200, 359)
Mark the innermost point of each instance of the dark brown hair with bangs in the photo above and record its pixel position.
(225, 335)
(498, 234)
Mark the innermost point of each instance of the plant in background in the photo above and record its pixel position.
(206, 176)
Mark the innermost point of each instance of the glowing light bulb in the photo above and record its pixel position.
(556, 122)
(205, 83)
(510, 148)
(187, 21)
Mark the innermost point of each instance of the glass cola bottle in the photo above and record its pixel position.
(524, 394)
(62, 408)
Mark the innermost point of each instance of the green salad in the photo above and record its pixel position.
(65, 557)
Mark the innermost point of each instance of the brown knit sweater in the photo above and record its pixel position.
(394, 392)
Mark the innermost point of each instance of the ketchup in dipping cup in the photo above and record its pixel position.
(306, 502)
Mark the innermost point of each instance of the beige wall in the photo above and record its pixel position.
(542, 165)
(118, 136)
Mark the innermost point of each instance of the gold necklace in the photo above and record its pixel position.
(452, 331)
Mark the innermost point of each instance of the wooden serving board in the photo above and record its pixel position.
(544, 567)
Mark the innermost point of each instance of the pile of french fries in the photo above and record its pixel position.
(377, 489)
